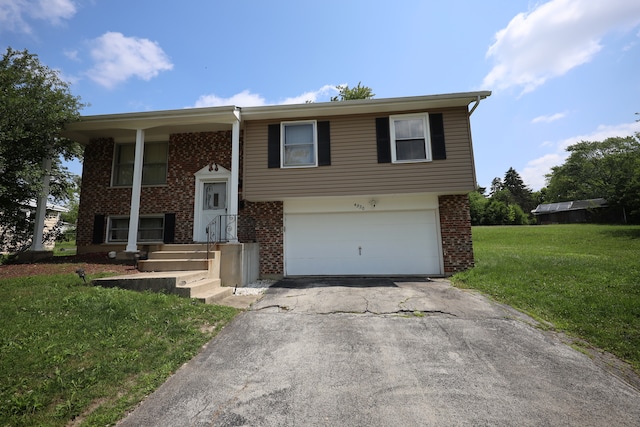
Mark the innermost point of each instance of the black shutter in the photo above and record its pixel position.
(383, 140)
(436, 126)
(324, 144)
(169, 228)
(273, 146)
(98, 229)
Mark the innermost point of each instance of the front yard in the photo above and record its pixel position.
(583, 279)
(73, 354)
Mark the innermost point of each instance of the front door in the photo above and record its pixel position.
(214, 204)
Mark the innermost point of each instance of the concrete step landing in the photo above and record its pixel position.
(189, 284)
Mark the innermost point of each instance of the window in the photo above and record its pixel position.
(409, 138)
(154, 167)
(299, 144)
(150, 229)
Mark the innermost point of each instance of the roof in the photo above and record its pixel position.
(50, 206)
(574, 205)
(159, 124)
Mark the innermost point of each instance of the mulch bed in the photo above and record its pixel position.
(90, 263)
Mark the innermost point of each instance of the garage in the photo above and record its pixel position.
(363, 242)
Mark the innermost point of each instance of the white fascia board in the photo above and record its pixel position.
(364, 106)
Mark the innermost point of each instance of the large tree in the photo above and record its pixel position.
(609, 169)
(357, 92)
(35, 105)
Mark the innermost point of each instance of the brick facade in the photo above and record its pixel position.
(269, 224)
(455, 224)
(188, 153)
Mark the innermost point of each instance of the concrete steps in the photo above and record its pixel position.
(182, 258)
(177, 269)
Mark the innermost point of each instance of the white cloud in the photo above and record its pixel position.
(118, 58)
(324, 92)
(15, 14)
(248, 99)
(535, 170)
(72, 55)
(550, 118)
(554, 38)
(242, 99)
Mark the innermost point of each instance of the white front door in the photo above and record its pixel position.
(213, 204)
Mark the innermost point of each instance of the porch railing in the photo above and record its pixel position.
(230, 228)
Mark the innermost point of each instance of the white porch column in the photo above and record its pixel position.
(235, 174)
(41, 209)
(136, 187)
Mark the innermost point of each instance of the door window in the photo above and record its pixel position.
(215, 195)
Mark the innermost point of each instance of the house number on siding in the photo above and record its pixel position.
(360, 250)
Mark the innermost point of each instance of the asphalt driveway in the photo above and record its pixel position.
(382, 352)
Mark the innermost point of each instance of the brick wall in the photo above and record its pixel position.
(188, 153)
(455, 223)
(269, 222)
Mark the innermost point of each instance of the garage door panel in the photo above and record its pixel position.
(404, 242)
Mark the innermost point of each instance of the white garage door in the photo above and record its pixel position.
(362, 243)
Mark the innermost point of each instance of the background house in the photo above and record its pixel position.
(578, 211)
(52, 226)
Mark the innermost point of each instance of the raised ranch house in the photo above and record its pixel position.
(366, 187)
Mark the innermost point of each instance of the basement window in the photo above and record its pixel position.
(150, 229)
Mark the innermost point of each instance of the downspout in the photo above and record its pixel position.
(235, 174)
(136, 190)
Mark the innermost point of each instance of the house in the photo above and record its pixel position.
(52, 225)
(364, 187)
(578, 211)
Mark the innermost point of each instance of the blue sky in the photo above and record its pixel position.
(561, 71)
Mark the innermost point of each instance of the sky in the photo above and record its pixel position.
(560, 71)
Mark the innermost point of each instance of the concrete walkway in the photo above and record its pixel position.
(378, 352)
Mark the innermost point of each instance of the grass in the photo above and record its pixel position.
(65, 248)
(88, 354)
(584, 279)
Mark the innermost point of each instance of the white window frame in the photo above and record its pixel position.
(427, 136)
(283, 126)
(140, 228)
(144, 165)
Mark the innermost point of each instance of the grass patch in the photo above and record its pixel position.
(584, 279)
(65, 248)
(90, 353)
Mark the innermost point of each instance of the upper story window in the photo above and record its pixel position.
(409, 138)
(154, 168)
(299, 143)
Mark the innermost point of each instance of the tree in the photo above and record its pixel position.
(357, 92)
(509, 203)
(609, 169)
(522, 195)
(35, 105)
(477, 206)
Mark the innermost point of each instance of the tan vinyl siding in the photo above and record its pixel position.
(354, 168)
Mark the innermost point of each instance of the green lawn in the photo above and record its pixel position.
(65, 248)
(69, 351)
(584, 279)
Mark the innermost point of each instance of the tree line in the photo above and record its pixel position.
(608, 169)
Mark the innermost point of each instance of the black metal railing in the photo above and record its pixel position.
(229, 228)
